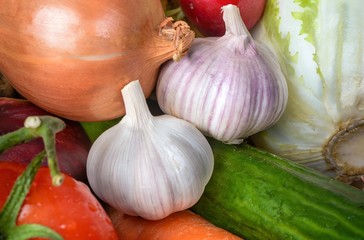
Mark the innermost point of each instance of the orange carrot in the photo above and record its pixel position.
(180, 225)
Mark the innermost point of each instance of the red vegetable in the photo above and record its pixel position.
(206, 15)
(72, 143)
(70, 209)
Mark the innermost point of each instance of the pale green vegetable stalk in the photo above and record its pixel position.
(320, 46)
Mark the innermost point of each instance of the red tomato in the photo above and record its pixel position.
(71, 209)
(206, 15)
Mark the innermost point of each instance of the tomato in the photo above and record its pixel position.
(71, 209)
(206, 15)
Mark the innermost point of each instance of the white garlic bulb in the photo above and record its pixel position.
(149, 166)
(230, 87)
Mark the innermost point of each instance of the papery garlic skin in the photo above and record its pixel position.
(320, 47)
(229, 87)
(149, 166)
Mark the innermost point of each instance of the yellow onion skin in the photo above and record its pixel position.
(72, 58)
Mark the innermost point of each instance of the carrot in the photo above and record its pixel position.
(179, 225)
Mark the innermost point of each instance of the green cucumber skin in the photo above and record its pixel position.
(257, 195)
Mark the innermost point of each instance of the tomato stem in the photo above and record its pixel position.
(34, 127)
(13, 138)
(9, 213)
(45, 127)
(19, 192)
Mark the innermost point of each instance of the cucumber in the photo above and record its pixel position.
(257, 195)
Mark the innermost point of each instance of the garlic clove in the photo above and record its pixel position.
(149, 166)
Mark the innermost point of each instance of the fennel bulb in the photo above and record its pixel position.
(320, 46)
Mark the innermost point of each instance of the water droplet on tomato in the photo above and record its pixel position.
(92, 207)
(108, 220)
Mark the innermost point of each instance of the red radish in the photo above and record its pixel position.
(206, 15)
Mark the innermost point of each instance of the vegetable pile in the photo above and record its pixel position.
(181, 119)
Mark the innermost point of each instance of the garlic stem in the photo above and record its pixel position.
(136, 107)
(11, 208)
(233, 21)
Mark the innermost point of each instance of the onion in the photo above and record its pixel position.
(72, 58)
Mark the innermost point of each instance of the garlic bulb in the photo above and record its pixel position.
(229, 87)
(149, 166)
(320, 46)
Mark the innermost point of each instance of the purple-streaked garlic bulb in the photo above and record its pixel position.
(229, 87)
